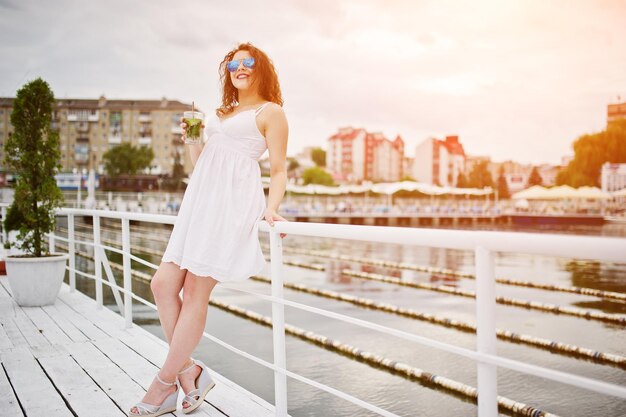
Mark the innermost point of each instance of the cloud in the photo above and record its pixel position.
(510, 78)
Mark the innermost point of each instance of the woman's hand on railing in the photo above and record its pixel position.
(271, 216)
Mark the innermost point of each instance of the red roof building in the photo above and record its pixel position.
(355, 155)
(439, 162)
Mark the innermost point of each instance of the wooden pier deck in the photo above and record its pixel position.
(70, 359)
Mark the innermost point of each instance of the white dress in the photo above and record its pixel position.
(216, 230)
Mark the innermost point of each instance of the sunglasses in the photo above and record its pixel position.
(234, 64)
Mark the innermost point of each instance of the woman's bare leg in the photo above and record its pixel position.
(191, 322)
(185, 336)
(188, 379)
(166, 285)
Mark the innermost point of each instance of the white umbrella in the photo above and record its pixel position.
(353, 188)
(592, 193)
(562, 191)
(533, 193)
(325, 189)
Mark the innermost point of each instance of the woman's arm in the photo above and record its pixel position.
(276, 134)
(194, 152)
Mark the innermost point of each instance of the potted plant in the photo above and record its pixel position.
(33, 153)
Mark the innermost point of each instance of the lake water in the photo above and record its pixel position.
(392, 392)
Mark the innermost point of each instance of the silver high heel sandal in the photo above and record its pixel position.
(167, 406)
(203, 385)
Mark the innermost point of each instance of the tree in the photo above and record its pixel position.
(127, 159)
(591, 152)
(317, 175)
(503, 188)
(480, 176)
(33, 151)
(534, 178)
(318, 155)
(293, 164)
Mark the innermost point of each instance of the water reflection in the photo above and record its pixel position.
(599, 276)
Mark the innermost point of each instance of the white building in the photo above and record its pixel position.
(355, 155)
(439, 162)
(613, 177)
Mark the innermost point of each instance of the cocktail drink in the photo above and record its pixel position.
(194, 120)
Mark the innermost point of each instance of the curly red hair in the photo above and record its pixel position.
(265, 75)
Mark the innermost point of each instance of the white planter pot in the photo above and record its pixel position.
(36, 281)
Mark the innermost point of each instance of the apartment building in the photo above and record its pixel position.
(615, 112)
(613, 177)
(515, 173)
(439, 162)
(354, 155)
(89, 127)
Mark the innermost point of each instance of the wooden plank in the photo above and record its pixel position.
(84, 396)
(10, 336)
(228, 397)
(114, 381)
(23, 323)
(4, 283)
(5, 342)
(12, 332)
(7, 313)
(106, 320)
(31, 333)
(48, 351)
(145, 341)
(110, 322)
(64, 324)
(85, 326)
(141, 371)
(35, 391)
(8, 402)
(47, 327)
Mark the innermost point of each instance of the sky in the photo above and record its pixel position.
(515, 80)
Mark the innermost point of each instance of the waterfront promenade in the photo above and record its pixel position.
(47, 335)
(383, 211)
(73, 359)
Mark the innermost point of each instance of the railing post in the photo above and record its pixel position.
(487, 384)
(51, 242)
(4, 216)
(71, 251)
(128, 283)
(278, 326)
(97, 261)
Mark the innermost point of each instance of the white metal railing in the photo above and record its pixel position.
(483, 243)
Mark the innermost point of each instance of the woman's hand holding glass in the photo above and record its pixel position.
(184, 126)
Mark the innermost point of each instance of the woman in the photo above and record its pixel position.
(215, 235)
